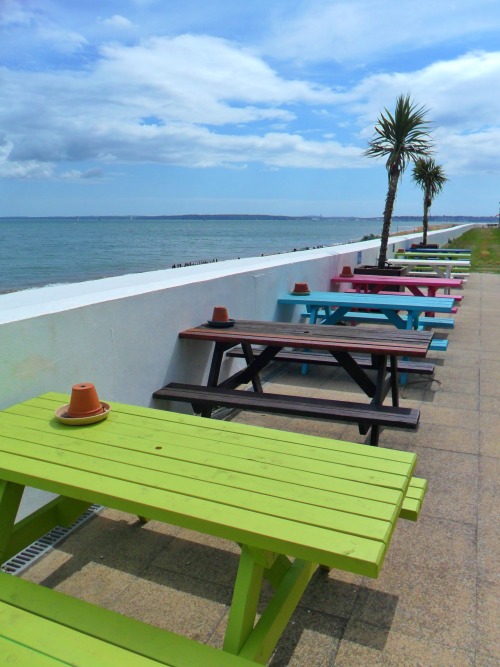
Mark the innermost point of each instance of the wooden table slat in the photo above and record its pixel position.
(316, 336)
(200, 427)
(312, 543)
(239, 459)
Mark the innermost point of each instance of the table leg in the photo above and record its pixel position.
(10, 499)
(394, 318)
(313, 319)
(381, 392)
(14, 537)
(215, 365)
(356, 372)
(336, 315)
(394, 381)
(377, 390)
(249, 358)
(252, 370)
(411, 323)
(257, 641)
(214, 372)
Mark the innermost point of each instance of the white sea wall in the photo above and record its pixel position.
(122, 333)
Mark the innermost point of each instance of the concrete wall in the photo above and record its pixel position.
(121, 333)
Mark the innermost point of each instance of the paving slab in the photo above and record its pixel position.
(435, 602)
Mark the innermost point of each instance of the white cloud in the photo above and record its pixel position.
(22, 169)
(77, 174)
(14, 12)
(463, 98)
(198, 100)
(198, 75)
(63, 41)
(118, 21)
(356, 31)
(187, 84)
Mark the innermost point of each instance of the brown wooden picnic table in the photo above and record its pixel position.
(383, 344)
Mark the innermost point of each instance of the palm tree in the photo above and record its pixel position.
(401, 138)
(431, 178)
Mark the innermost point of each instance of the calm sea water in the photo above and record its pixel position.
(42, 251)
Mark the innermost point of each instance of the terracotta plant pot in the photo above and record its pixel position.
(301, 287)
(220, 314)
(346, 271)
(84, 401)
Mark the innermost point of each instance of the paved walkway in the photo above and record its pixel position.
(435, 603)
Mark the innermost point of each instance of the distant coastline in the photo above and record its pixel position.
(245, 216)
(48, 251)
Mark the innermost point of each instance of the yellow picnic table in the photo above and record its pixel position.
(290, 501)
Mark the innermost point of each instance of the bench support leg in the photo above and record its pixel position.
(58, 512)
(249, 373)
(357, 374)
(10, 499)
(249, 357)
(213, 374)
(383, 384)
(394, 381)
(257, 641)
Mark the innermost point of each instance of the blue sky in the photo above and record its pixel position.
(265, 106)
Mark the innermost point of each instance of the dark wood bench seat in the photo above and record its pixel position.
(365, 415)
(326, 359)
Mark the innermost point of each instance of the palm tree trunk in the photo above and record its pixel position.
(389, 207)
(425, 219)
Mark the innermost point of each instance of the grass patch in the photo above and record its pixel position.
(485, 245)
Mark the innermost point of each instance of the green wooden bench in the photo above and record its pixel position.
(326, 359)
(365, 415)
(412, 503)
(41, 627)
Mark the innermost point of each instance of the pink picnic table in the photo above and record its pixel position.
(373, 284)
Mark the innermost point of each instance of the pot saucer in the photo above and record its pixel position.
(221, 324)
(61, 414)
(300, 293)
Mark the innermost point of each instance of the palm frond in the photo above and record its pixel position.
(401, 137)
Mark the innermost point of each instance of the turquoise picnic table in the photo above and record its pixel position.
(355, 306)
(290, 501)
(398, 309)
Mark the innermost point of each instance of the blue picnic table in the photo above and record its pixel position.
(358, 307)
(401, 310)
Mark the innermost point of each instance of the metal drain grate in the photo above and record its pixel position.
(28, 556)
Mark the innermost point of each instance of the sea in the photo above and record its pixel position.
(35, 252)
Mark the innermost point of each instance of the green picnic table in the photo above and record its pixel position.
(290, 501)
